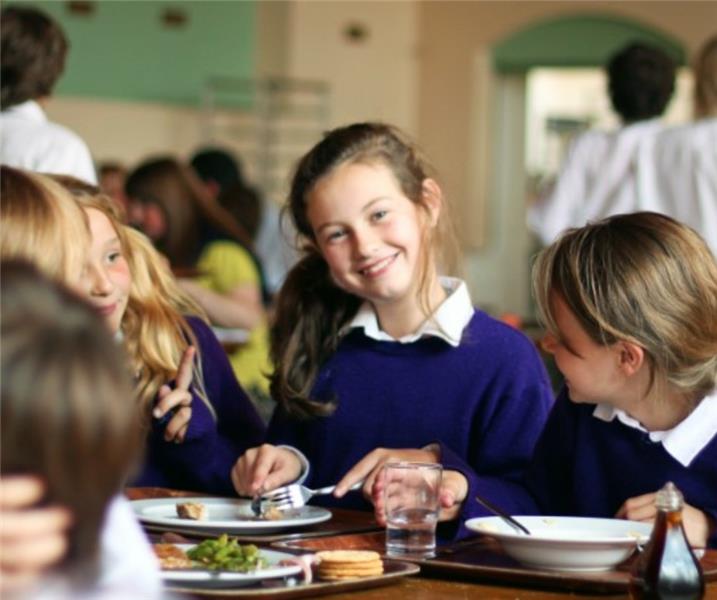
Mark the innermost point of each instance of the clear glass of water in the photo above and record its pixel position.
(411, 502)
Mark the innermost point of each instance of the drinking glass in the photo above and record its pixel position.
(411, 503)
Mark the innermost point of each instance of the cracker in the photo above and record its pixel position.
(335, 565)
(348, 556)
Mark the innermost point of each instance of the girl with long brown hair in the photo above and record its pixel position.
(377, 356)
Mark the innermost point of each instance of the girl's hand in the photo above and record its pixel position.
(177, 402)
(454, 489)
(696, 523)
(31, 539)
(264, 468)
(371, 465)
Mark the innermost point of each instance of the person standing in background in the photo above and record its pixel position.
(33, 55)
(677, 169)
(597, 178)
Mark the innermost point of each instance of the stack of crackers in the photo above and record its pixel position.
(335, 565)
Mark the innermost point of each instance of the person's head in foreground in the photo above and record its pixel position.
(66, 417)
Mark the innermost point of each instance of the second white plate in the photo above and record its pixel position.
(206, 578)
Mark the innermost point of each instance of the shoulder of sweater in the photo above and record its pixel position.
(484, 328)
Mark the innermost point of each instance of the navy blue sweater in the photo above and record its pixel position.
(485, 402)
(203, 462)
(584, 466)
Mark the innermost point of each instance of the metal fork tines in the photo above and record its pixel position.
(296, 495)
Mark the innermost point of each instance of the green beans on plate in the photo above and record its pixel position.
(226, 554)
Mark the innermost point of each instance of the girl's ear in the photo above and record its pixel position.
(433, 197)
(631, 357)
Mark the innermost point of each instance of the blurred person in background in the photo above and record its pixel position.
(201, 240)
(677, 169)
(597, 178)
(33, 55)
(222, 175)
(112, 179)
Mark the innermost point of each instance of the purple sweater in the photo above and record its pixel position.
(485, 402)
(587, 467)
(203, 462)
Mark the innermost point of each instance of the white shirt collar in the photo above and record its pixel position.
(684, 441)
(447, 322)
(29, 109)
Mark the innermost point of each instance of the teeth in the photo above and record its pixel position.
(376, 267)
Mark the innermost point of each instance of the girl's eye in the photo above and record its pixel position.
(335, 235)
(378, 215)
(114, 256)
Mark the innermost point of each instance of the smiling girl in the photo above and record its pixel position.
(377, 356)
(630, 304)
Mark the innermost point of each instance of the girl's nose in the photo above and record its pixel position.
(100, 283)
(548, 343)
(365, 243)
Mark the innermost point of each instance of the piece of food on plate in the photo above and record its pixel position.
(335, 565)
(271, 513)
(172, 557)
(196, 511)
(226, 554)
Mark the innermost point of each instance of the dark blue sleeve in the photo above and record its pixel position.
(549, 475)
(503, 439)
(203, 462)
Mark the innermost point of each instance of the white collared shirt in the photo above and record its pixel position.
(28, 140)
(684, 441)
(447, 322)
(596, 180)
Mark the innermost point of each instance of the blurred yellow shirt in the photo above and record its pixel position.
(225, 265)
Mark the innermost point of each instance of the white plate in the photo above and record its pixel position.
(207, 578)
(566, 543)
(224, 516)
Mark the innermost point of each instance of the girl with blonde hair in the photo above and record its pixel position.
(38, 217)
(630, 304)
(198, 418)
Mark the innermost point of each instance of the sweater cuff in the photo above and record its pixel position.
(508, 495)
(305, 465)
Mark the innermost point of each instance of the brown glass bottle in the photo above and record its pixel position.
(667, 569)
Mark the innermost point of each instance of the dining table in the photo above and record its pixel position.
(356, 529)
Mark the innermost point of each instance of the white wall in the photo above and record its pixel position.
(373, 79)
(128, 131)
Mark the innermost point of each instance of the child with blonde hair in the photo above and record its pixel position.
(377, 356)
(198, 419)
(630, 303)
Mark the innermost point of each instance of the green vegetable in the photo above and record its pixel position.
(226, 554)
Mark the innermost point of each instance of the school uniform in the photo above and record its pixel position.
(597, 179)
(30, 141)
(471, 384)
(203, 461)
(591, 458)
(677, 176)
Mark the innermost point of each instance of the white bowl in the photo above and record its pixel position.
(566, 543)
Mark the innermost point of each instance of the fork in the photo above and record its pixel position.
(293, 496)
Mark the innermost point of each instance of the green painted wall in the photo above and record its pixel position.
(577, 41)
(123, 50)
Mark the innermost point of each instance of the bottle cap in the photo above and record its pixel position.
(669, 498)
